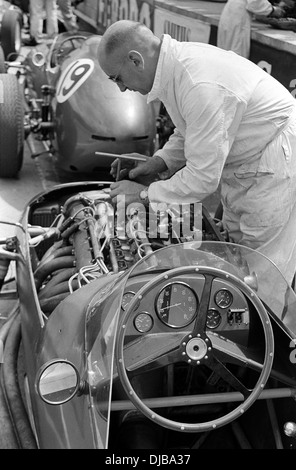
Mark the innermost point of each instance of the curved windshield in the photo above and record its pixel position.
(257, 271)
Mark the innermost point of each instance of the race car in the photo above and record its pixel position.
(11, 22)
(59, 95)
(142, 329)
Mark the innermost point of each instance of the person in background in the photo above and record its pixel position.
(234, 28)
(69, 18)
(40, 10)
(235, 125)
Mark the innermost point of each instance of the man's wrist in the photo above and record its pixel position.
(160, 163)
(276, 12)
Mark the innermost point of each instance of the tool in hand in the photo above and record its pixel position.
(141, 158)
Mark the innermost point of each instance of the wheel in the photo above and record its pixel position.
(11, 126)
(195, 348)
(11, 40)
(2, 61)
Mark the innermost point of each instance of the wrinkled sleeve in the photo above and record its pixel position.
(259, 7)
(173, 153)
(212, 116)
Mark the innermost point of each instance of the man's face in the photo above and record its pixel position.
(124, 72)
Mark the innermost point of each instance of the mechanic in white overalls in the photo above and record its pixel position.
(234, 28)
(235, 125)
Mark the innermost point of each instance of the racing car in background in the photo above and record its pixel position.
(11, 22)
(144, 329)
(59, 95)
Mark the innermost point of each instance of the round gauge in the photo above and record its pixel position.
(223, 298)
(213, 318)
(143, 322)
(127, 297)
(176, 305)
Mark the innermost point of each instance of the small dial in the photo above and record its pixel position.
(176, 305)
(126, 299)
(223, 298)
(143, 322)
(213, 318)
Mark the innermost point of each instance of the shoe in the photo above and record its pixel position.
(30, 42)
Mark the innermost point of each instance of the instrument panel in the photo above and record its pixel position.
(174, 304)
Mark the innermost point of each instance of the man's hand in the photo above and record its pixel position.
(120, 168)
(286, 4)
(148, 171)
(142, 172)
(125, 192)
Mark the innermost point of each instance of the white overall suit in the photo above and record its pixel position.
(234, 29)
(235, 125)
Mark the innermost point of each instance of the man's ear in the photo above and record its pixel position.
(137, 58)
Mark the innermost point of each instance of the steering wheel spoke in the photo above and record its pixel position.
(224, 373)
(201, 318)
(231, 352)
(152, 351)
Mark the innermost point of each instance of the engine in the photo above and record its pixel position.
(89, 238)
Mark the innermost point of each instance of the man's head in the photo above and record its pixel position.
(128, 54)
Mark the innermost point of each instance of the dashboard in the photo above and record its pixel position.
(174, 304)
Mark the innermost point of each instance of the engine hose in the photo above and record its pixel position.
(12, 389)
(62, 288)
(52, 248)
(48, 305)
(41, 273)
(56, 279)
(67, 233)
(65, 251)
(8, 439)
(78, 198)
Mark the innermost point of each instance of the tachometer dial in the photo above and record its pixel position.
(176, 304)
(223, 298)
(213, 318)
(126, 299)
(143, 322)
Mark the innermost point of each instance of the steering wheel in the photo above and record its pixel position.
(195, 348)
(59, 51)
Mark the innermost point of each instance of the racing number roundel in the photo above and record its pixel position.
(73, 77)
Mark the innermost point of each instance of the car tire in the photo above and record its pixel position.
(2, 61)
(11, 126)
(11, 37)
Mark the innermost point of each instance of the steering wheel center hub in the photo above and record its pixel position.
(196, 349)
